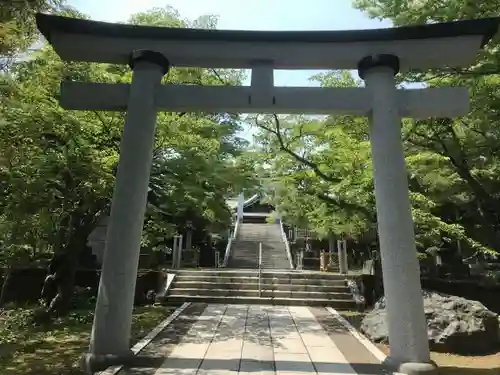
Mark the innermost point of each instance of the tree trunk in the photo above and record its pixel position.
(61, 303)
(5, 284)
(81, 225)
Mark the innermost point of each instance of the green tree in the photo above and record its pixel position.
(57, 166)
(465, 188)
(17, 25)
(319, 168)
(321, 173)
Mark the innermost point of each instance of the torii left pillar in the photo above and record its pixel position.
(110, 340)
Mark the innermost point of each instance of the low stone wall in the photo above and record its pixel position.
(26, 284)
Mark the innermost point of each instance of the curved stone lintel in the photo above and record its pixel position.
(420, 47)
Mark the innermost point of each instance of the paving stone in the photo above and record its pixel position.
(216, 372)
(231, 345)
(317, 340)
(249, 365)
(360, 360)
(293, 362)
(257, 340)
(190, 350)
(254, 351)
(153, 355)
(319, 354)
(179, 366)
(289, 346)
(198, 338)
(224, 364)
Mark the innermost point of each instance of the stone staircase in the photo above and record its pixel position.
(277, 288)
(245, 249)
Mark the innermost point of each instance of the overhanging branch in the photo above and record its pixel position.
(285, 148)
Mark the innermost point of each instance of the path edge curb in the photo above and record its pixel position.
(358, 335)
(146, 340)
(376, 352)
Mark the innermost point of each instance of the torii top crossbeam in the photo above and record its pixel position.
(417, 47)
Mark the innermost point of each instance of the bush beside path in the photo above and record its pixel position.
(55, 348)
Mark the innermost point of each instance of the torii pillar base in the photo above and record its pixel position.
(410, 368)
(92, 363)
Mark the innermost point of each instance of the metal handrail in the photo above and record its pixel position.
(287, 245)
(260, 268)
(217, 260)
(232, 237)
(300, 260)
(228, 251)
(236, 227)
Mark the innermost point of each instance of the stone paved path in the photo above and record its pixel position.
(268, 340)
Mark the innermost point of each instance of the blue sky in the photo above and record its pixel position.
(248, 15)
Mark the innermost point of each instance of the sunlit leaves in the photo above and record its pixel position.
(454, 163)
(58, 165)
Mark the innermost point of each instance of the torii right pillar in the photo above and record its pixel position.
(409, 347)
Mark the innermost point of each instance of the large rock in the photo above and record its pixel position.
(454, 324)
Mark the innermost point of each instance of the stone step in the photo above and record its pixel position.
(243, 265)
(271, 235)
(256, 226)
(255, 250)
(264, 267)
(225, 272)
(259, 239)
(249, 239)
(264, 261)
(278, 264)
(272, 232)
(255, 279)
(253, 285)
(265, 231)
(256, 257)
(239, 249)
(277, 253)
(255, 293)
(247, 245)
(337, 304)
(274, 259)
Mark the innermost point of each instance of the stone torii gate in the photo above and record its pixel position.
(378, 55)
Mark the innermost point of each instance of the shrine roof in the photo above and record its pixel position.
(233, 202)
